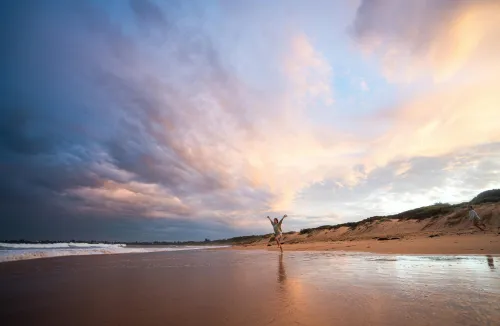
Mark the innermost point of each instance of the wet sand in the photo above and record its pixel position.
(443, 244)
(256, 287)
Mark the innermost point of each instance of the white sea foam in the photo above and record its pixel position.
(60, 245)
(11, 252)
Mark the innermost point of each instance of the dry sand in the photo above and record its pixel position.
(446, 244)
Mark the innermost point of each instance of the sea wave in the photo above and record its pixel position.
(60, 245)
(13, 252)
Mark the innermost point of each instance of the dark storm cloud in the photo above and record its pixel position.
(148, 12)
(84, 116)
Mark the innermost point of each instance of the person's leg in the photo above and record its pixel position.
(278, 241)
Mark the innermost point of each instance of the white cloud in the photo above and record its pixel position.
(308, 71)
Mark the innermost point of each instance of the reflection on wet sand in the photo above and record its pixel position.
(281, 270)
(491, 263)
(252, 288)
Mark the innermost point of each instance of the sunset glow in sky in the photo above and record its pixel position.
(177, 120)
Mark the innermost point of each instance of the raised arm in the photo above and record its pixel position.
(270, 220)
(282, 219)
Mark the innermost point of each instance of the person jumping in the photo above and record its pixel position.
(278, 233)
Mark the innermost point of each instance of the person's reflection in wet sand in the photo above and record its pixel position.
(283, 290)
(281, 271)
(491, 263)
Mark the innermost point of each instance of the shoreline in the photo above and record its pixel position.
(446, 244)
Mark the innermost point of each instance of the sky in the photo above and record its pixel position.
(148, 120)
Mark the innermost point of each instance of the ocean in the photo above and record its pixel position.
(23, 251)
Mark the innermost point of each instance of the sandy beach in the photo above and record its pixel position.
(252, 287)
(438, 270)
(432, 271)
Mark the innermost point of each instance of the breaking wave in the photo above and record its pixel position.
(23, 251)
(60, 245)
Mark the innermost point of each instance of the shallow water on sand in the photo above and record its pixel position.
(252, 288)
